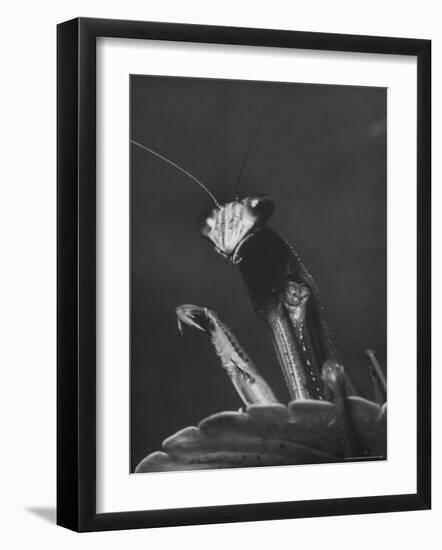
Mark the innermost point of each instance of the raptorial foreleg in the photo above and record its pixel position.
(245, 377)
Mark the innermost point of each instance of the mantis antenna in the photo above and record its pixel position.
(180, 168)
(249, 148)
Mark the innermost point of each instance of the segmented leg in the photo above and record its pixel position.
(377, 377)
(295, 299)
(333, 375)
(245, 377)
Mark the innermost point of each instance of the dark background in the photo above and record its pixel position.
(321, 155)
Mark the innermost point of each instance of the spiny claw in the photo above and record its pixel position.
(194, 316)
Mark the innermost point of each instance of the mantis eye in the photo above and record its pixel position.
(205, 224)
(260, 206)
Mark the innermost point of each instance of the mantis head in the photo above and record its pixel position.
(229, 226)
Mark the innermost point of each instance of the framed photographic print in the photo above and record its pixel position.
(243, 250)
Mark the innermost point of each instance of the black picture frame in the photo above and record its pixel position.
(76, 274)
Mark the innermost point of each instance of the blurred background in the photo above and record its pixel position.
(321, 155)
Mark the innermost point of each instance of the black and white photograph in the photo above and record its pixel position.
(258, 273)
(219, 262)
